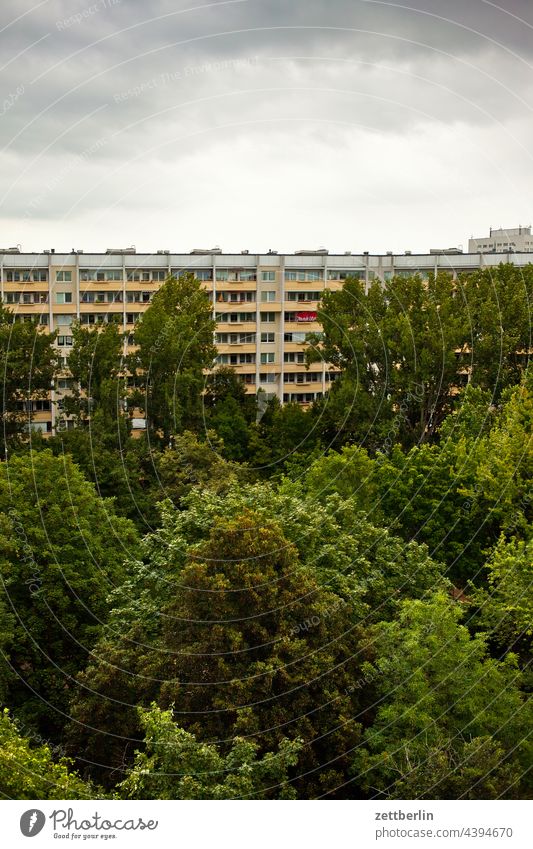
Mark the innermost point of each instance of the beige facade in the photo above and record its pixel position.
(264, 304)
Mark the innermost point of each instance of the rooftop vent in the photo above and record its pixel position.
(319, 252)
(216, 250)
(163, 252)
(130, 250)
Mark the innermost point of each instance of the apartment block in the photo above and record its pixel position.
(515, 239)
(264, 304)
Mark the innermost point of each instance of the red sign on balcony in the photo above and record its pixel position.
(306, 316)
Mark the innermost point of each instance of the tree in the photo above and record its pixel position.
(396, 345)
(28, 364)
(345, 572)
(29, 771)
(497, 302)
(429, 494)
(175, 344)
(504, 462)
(350, 473)
(61, 552)
(285, 438)
(174, 765)
(505, 602)
(249, 645)
(7, 622)
(95, 364)
(193, 463)
(445, 712)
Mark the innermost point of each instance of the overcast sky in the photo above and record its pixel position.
(284, 124)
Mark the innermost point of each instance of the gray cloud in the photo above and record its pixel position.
(116, 94)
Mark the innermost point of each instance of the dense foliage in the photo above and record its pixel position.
(257, 601)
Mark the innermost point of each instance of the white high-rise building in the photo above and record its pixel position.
(264, 304)
(517, 239)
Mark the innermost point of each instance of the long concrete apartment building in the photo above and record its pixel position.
(264, 304)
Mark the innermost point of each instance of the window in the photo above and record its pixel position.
(342, 275)
(267, 358)
(26, 297)
(101, 297)
(99, 275)
(91, 318)
(64, 341)
(268, 317)
(64, 276)
(65, 319)
(299, 338)
(138, 297)
(234, 275)
(268, 337)
(63, 297)
(64, 383)
(268, 276)
(203, 274)
(234, 317)
(136, 276)
(235, 338)
(268, 296)
(307, 276)
(294, 357)
(303, 377)
(267, 377)
(132, 317)
(302, 297)
(235, 297)
(235, 359)
(26, 276)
